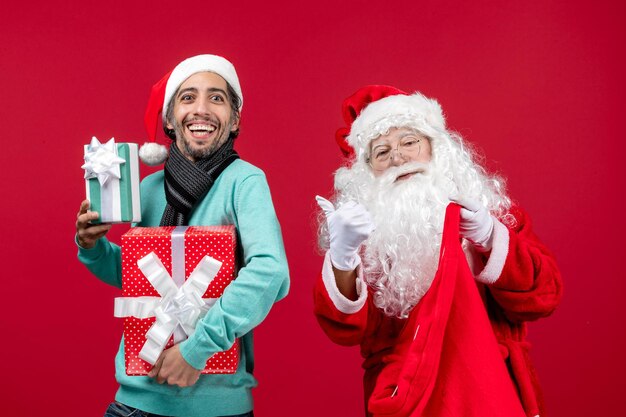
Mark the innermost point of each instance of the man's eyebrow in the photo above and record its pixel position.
(217, 90)
(185, 90)
(195, 90)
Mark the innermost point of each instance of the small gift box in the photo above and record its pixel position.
(112, 181)
(171, 277)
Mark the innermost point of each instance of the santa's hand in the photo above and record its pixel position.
(476, 223)
(348, 226)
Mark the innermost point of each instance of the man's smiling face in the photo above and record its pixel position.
(202, 115)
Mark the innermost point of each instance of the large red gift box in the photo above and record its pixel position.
(192, 243)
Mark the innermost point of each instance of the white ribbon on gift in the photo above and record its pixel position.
(178, 309)
(102, 161)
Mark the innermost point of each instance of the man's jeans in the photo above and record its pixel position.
(117, 409)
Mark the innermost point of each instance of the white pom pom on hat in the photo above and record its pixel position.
(151, 153)
(165, 88)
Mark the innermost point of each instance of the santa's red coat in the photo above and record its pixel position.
(518, 282)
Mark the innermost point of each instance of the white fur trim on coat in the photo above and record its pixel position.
(499, 252)
(341, 302)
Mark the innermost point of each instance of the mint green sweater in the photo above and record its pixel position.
(240, 196)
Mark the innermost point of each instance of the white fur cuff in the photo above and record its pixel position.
(499, 252)
(340, 301)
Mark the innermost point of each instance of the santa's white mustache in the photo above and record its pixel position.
(393, 173)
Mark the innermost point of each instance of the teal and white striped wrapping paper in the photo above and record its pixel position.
(117, 201)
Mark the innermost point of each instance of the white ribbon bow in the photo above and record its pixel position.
(102, 161)
(176, 309)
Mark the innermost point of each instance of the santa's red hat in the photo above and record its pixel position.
(352, 107)
(374, 109)
(152, 153)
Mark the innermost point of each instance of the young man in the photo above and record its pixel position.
(383, 236)
(204, 183)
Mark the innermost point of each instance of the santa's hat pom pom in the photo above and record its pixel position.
(152, 153)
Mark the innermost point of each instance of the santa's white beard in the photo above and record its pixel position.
(401, 256)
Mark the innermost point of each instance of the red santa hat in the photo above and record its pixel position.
(352, 107)
(374, 109)
(152, 153)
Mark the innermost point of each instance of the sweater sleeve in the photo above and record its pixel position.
(103, 260)
(262, 280)
(344, 321)
(529, 286)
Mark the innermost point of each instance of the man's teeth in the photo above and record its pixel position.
(206, 128)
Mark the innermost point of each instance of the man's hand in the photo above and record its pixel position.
(172, 368)
(86, 233)
(476, 223)
(348, 226)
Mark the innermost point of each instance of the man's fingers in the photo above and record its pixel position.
(96, 232)
(156, 368)
(88, 234)
(84, 207)
(85, 216)
(160, 378)
(84, 219)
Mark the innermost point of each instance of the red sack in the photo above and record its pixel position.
(446, 362)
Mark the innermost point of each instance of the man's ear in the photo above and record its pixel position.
(235, 125)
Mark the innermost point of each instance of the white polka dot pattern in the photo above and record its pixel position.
(219, 242)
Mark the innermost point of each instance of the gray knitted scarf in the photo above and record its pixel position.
(187, 182)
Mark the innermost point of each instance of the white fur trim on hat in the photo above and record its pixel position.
(416, 111)
(200, 63)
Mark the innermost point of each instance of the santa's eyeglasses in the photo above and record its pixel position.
(382, 155)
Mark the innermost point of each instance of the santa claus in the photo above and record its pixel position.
(410, 183)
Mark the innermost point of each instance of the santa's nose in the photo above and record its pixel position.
(396, 157)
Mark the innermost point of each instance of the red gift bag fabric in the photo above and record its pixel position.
(447, 361)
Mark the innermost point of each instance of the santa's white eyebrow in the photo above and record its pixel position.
(408, 133)
(379, 145)
(400, 136)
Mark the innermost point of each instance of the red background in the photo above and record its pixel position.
(538, 85)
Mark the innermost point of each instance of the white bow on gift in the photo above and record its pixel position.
(177, 311)
(102, 161)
